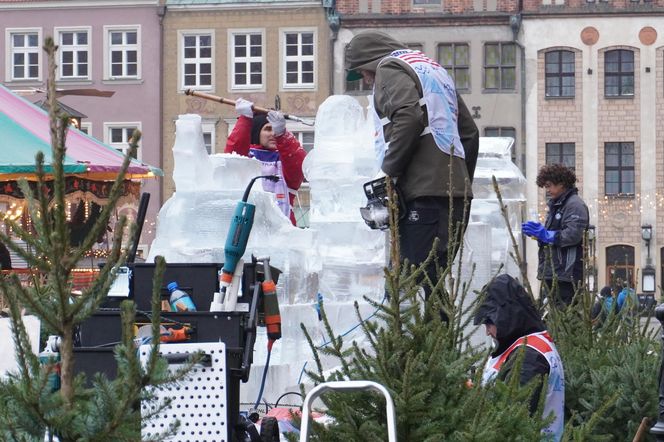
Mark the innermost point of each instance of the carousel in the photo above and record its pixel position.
(90, 167)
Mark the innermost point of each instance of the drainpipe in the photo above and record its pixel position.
(334, 23)
(333, 39)
(161, 13)
(515, 25)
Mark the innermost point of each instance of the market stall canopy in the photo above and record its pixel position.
(25, 130)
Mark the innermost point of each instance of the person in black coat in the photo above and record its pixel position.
(561, 236)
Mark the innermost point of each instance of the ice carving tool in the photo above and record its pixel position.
(258, 109)
(238, 235)
(270, 306)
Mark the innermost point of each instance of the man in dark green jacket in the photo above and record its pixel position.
(431, 142)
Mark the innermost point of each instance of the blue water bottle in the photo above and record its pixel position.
(180, 300)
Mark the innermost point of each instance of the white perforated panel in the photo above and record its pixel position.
(199, 400)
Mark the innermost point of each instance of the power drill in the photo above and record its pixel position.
(171, 334)
(238, 236)
(270, 306)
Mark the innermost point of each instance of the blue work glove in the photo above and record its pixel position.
(537, 230)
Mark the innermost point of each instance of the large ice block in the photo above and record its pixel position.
(487, 236)
(338, 257)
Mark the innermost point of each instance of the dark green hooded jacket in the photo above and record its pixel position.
(421, 167)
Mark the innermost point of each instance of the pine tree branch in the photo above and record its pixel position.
(92, 298)
(319, 365)
(26, 360)
(32, 241)
(158, 276)
(515, 247)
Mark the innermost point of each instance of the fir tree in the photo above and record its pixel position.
(610, 367)
(109, 410)
(610, 370)
(426, 363)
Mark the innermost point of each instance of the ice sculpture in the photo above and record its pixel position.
(338, 257)
(487, 225)
(487, 243)
(352, 255)
(192, 169)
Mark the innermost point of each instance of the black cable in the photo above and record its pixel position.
(273, 178)
(276, 404)
(108, 344)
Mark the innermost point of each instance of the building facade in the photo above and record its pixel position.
(269, 52)
(474, 40)
(103, 45)
(574, 81)
(594, 97)
(577, 82)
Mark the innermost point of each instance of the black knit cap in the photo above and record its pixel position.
(260, 120)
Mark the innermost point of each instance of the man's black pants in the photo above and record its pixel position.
(425, 219)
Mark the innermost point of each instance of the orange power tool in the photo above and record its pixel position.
(170, 334)
(270, 306)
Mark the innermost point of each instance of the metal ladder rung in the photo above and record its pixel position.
(348, 386)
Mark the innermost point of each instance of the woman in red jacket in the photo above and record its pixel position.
(265, 138)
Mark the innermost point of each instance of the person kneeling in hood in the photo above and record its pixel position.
(513, 322)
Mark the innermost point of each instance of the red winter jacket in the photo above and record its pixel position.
(290, 151)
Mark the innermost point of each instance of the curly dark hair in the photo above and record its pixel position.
(556, 174)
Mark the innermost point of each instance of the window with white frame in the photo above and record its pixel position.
(86, 128)
(118, 136)
(500, 132)
(306, 139)
(246, 60)
(209, 137)
(197, 61)
(299, 55)
(73, 53)
(123, 53)
(24, 49)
